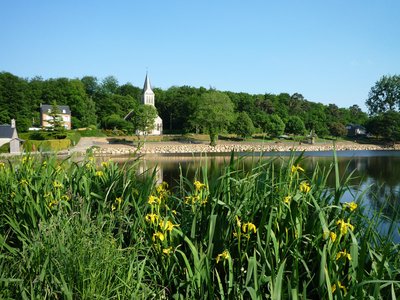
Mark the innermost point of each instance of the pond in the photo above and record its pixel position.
(376, 174)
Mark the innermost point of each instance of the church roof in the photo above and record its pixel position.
(147, 85)
(6, 131)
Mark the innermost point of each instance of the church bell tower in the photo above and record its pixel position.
(148, 94)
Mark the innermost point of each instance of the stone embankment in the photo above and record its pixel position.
(179, 148)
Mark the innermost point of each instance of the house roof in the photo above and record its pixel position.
(6, 131)
(46, 107)
(355, 126)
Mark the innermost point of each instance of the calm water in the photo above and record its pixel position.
(376, 173)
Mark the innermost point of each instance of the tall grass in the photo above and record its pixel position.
(89, 230)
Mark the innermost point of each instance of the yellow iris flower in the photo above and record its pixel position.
(332, 236)
(198, 185)
(224, 255)
(344, 226)
(350, 205)
(247, 227)
(340, 286)
(297, 168)
(344, 254)
(153, 199)
(168, 225)
(158, 235)
(304, 187)
(151, 218)
(167, 251)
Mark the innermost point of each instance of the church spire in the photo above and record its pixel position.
(147, 85)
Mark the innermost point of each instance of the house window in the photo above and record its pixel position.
(64, 111)
(49, 110)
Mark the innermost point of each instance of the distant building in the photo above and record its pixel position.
(45, 117)
(355, 130)
(148, 98)
(8, 134)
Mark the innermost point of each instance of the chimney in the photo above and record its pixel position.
(12, 123)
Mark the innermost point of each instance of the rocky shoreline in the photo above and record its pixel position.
(179, 148)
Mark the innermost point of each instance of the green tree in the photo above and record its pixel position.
(177, 105)
(386, 125)
(143, 119)
(114, 121)
(91, 85)
(14, 103)
(274, 125)
(243, 125)
(337, 129)
(316, 119)
(214, 113)
(335, 114)
(130, 90)
(295, 125)
(56, 121)
(356, 115)
(82, 106)
(384, 95)
(109, 85)
(88, 117)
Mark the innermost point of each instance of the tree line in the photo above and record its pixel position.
(104, 104)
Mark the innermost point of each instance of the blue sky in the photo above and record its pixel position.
(329, 51)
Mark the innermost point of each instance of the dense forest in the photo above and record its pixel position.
(104, 103)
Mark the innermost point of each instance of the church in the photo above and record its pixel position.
(148, 98)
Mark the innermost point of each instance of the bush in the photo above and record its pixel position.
(5, 148)
(38, 135)
(47, 145)
(116, 122)
(92, 133)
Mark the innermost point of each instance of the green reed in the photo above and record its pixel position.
(91, 230)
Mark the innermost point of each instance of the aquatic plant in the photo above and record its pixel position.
(92, 230)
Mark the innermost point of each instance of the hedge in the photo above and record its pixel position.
(47, 145)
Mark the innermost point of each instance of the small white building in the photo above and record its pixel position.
(8, 134)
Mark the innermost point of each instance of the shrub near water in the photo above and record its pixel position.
(98, 231)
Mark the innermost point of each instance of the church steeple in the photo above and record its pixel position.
(147, 85)
(148, 94)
